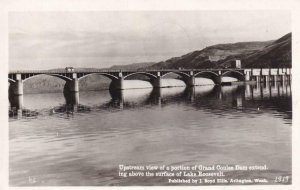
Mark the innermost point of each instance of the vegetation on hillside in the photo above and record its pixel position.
(267, 54)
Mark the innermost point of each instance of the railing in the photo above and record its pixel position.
(54, 71)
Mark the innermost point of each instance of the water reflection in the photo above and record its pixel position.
(17, 109)
(16, 102)
(83, 138)
(212, 98)
(71, 106)
(72, 98)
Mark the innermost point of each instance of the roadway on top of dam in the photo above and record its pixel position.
(78, 70)
(70, 73)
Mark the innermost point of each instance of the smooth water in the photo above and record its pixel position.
(80, 139)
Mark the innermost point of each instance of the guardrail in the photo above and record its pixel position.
(118, 70)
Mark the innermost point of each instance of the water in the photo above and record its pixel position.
(81, 139)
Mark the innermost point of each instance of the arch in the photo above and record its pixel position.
(235, 74)
(151, 76)
(112, 77)
(54, 75)
(182, 74)
(210, 75)
(61, 77)
(207, 73)
(11, 80)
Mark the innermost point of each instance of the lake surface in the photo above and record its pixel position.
(80, 139)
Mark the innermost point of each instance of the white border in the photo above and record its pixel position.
(97, 5)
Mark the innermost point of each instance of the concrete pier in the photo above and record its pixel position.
(117, 84)
(71, 98)
(267, 78)
(258, 79)
(16, 105)
(156, 82)
(156, 95)
(189, 81)
(190, 93)
(218, 80)
(16, 101)
(16, 88)
(247, 76)
(72, 86)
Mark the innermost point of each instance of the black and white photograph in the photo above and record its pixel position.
(150, 98)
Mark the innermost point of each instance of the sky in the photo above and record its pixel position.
(99, 39)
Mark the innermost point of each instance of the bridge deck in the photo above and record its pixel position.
(114, 70)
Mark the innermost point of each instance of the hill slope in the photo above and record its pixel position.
(277, 54)
(253, 54)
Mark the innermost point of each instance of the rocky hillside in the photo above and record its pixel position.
(275, 53)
